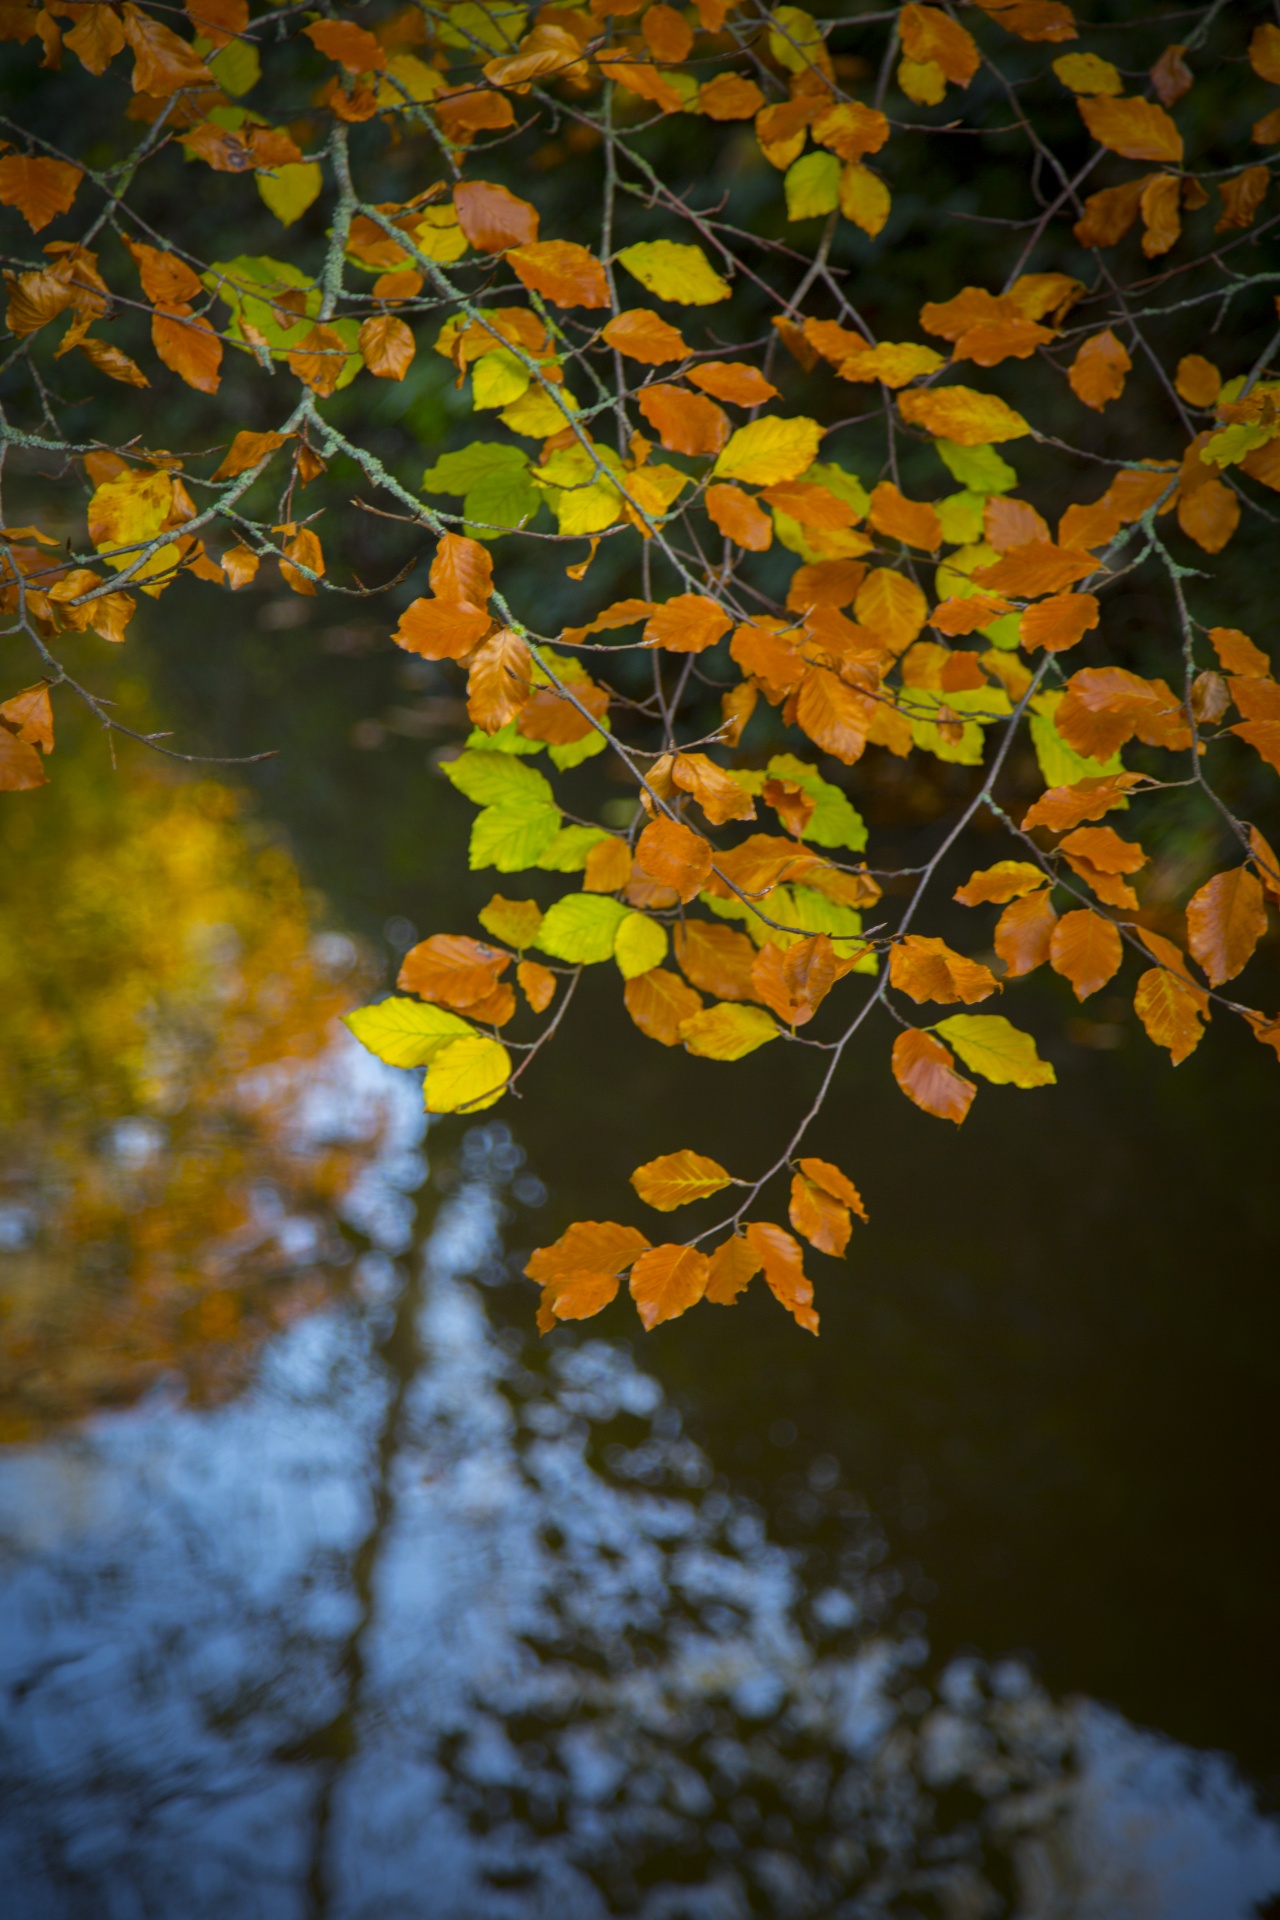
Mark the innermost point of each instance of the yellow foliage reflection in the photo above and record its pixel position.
(163, 1006)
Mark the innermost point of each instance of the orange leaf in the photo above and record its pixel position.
(1105, 706)
(819, 1218)
(623, 613)
(668, 34)
(928, 969)
(689, 623)
(608, 867)
(1059, 622)
(793, 806)
(926, 1072)
(667, 1281)
(956, 617)
(784, 1272)
(462, 571)
(581, 1270)
(515, 922)
(218, 20)
(1136, 129)
(1237, 653)
(836, 717)
(551, 716)
(716, 959)
(738, 518)
(111, 361)
(493, 219)
(720, 797)
(644, 336)
(562, 272)
(1007, 880)
(832, 1181)
(162, 63)
(21, 768)
(1023, 933)
(812, 505)
(452, 970)
(1226, 919)
(498, 680)
(684, 422)
(1086, 950)
(240, 564)
(675, 856)
(1167, 1009)
(466, 110)
(658, 1001)
(730, 97)
(912, 521)
(318, 359)
(97, 39)
(537, 983)
(825, 583)
(928, 34)
(350, 46)
(440, 629)
(1171, 76)
(40, 189)
(734, 1264)
(1264, 736)
(1103, 848)
(1109, 215)
(734, 381)
(1098, 370)
(991, 342)
(761, 862)
(303, 549)
(190, 348)
(676, 1179)
(1063, 807)
(1161, 205)
(386, 346)
(768, 658)
(892, 607)
(246, 450)
(794, 983)
(1011, 523)
(29, 715)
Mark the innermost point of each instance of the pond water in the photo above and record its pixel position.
(328, 1589)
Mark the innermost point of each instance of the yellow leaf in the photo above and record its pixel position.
(514, 921)
(406, 1033)
(289, 191)
(727, 1031)
(988, 1044)
(1086, 73)
(639, 945)
(962, 414)
(467, 1075)
(675, 1179)
(770, 450)
(812, 186)
(864, 199)
(675, 272)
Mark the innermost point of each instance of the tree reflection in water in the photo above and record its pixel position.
(437, 1621)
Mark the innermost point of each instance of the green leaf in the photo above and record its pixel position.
(835, 821)
(919, 703)
(796, 43)
(1060, 764)
(289, 191)
(467, 1075)
(639, 945)
(514, 836)
(675, 272)
(498, 378)
(816, 914)
(812, 186)
(501, 501)
(237, 68)
(581, 928)
(496, 27)
(988, 1044)
(507, 739)
(405, 1033)
(496, 779)
(568, 852)
(980, 469)
(461, 471)
(960, 516)
(574, 752)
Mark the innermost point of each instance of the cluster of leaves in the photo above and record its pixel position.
(708, 408)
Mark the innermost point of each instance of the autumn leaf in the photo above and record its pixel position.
(1085, 949)
(514, 921)
(1007, 880)
(246, 450)
(912, 521)
(386, 346)
(675, 271)
(738, 518)
(1023, 934)
(562, 272)
(467, 1075)
(659, 1003)
(1064, 807)
(1059, 622)
(675, 1179)
(666, 1281)
(1136, 129)
(962, 414)
(929, 34)
(1098, 371)
(537, 983)
(818, 1217)
(452, 969)
(770, 450)
(163, 63)
(734, 1265)
(190, 348)
(39, 188)
(727, 1032)
(675, 855)
(990, 1045)
(405, 1033)
(928, 969)
(492, 218)
(440, 629)
(926, 1072)
(784, 1273)
(1169, 1011)
(21, 768)
(641, 335)
(735, 381)
(689, 623)
(581, 1272)
(716, 959)
(684, 422)
(1226, 918)
(720, 796)
(29, 716)
(498, 680)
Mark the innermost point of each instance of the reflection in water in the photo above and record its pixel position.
(166, 1188)
(437, 1621)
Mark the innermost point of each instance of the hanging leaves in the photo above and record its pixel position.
(926, 1072)
(1226, 919)
(676, 1179)
(1086, 950)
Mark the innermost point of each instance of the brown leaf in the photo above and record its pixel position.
(666, 1281)
(1023, 934)
(162, 63)
(684, 422)
(1226, 919)
(819, 1218)
(97, 38)
(20, 765)
(562, 272)
(318, 359)
(794, 983)
(498, 680)
(492, 218)
(386, 346)
(218, 21)
(350, 46)
(190, 348)
(1109, 215)
(240, 564)
(246, 450)
(111, 361)
(926, 1072)
(688, 623)
(1136, 129)
(1237, 652)
(675, 856)
(734, 1264)
(301, 550)
(1171, 76)
(1098, 371)
(928, 34)
(1268, 865)
(928, 969)
(784, 1272)
(640, 335)
(29, 715)
(40, 189)
(1086, 949)
(658, 1001)
(551, 716)
(452, 970)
